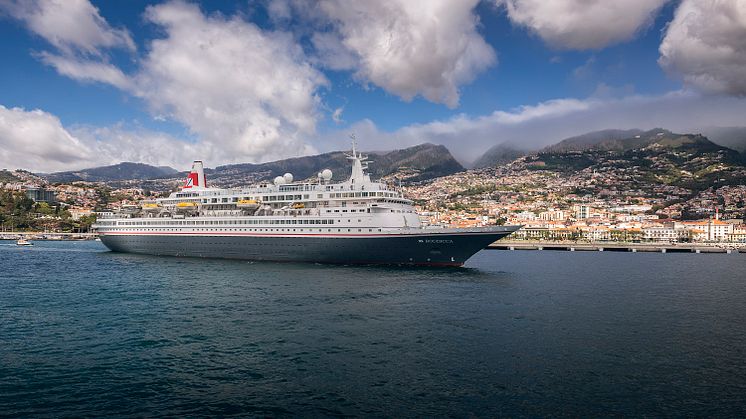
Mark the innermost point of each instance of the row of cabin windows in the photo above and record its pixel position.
(223, 222)
(360, 194)
(352, 210)
(321, 230)
(290, 198)
(269, 198)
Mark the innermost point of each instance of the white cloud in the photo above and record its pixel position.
(80, 35)
(583, 24)
(331, 52)
(36, 140)
(408, 48)
(115, 144)
(69, 25)
(246, 93)
(706, 44)
(249, 94)
(86, 70)
(337, 115)
(535, 126)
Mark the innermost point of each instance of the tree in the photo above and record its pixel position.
(84, 223)
(44, 208)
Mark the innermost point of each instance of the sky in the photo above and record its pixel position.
(91, 83)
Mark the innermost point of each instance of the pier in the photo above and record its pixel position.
(35, 235)
(620, 247)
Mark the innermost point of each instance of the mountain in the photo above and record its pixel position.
(7, 176)
(499, 154)
(421, 162)
(731, 137)
(121, 171)
(657, 156)
(608, 139)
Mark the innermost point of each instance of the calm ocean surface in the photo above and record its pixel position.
(86, 332)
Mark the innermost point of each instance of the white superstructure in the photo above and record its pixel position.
(356, 205)
(354, 221)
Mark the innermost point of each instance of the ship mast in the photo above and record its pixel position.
(358, 165)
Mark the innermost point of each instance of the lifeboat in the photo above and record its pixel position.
(186, 206)
(150, 206)
(248, 203)
(299, 205)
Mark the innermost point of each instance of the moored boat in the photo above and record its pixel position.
(23, 242)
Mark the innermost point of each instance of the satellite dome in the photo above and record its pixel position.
(279, 180)
(288, 177)
(326, 174)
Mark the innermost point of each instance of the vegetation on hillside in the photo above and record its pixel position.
(19, 212)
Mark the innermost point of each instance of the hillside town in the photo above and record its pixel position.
(588, 205)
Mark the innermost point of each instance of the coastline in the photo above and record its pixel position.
(35, 235)
(611, 246)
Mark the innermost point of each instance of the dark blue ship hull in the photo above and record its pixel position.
(436, 247)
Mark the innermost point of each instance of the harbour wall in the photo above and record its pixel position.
(619, 247)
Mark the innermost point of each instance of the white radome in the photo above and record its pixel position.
(326, 174)
(288, 177)
(279, 180)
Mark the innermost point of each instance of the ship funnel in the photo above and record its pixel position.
(196, 178)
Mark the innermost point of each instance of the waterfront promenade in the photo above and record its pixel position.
(572, 246)
(35, 235)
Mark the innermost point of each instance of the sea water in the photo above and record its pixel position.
(88, 332)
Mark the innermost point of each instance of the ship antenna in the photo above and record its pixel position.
(352, 137)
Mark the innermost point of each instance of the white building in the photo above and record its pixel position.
(553, 215)
(582, 211)
(668, 234)
(710, 230)
(525, 215)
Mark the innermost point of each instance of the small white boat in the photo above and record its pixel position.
(24, 242)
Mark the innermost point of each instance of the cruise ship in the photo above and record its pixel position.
(356, 221)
